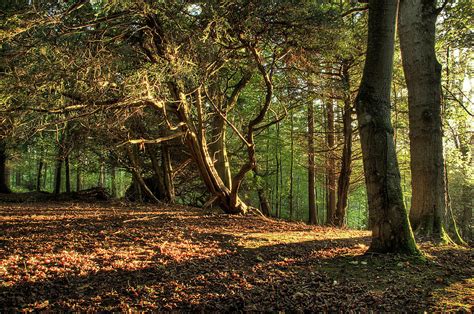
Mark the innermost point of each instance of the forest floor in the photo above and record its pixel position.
(112, 257)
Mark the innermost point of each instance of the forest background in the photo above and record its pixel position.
(106, 94)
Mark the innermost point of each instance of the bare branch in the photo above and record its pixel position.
(353, 10)
(154, 141)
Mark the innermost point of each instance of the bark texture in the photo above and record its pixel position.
(417, 27)
(330, 166)
(391, 230)
(3, 175)
(313, 213)
(169, 190)
(344, 179)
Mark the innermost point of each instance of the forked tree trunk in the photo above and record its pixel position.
(218, 149)
(3, 173)
(391, 231)
(194, 137)
(196, 140)
(417, 27)
(313, 213)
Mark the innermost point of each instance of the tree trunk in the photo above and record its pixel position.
(38, 175)
(196, 141)
(3, 170)
(417, 27)
(313, 213)
(68, 174)
(467, 197)
(45, 175)
(466, 149)
(141, 184)
(264, 204)
(113, 181)
(292, 157)
(18, 178)
(330, 166)
(391, 231)
(195, 138)
(78, 178)
(344, 180)
(157, 169)
(218, 149)
(167, 173)
(57, 176)
(277, 173)
(101, 182)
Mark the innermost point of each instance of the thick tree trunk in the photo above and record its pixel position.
(195, 138)
(313, 212)
(346, 160)
(417, 27)
(391, 231)
(330, 166)
(157, 169)
(3, 170)
(196, 141)
(57, 176)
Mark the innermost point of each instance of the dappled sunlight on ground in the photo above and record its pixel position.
(116, 257)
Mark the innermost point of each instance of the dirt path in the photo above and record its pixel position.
(111, 257)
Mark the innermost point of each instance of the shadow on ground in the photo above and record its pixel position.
(84, 257)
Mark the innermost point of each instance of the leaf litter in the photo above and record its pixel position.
(118, 257)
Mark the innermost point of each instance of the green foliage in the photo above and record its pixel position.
(106, 66)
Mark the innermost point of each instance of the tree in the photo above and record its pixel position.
(330, 165)
(391, 231)
(417, 29)
(313, 211)
(343, 182)
(3, 159)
